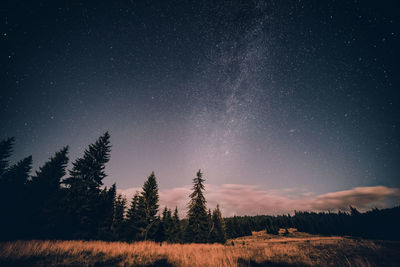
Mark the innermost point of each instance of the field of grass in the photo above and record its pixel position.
(260, 249)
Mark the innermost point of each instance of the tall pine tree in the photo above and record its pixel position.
(45, 196)
(148, 208)
(84, 200)
(198, 226)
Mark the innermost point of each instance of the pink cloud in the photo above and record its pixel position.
(361, 197)
(252, 200)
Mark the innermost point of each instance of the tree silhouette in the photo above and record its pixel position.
(159, 234)
(5, 152)
(148, 207)
(197, 228)
(210, 224)
(45, 196)
(83, 198)
(168, 225)
(43, 206)
(117, 226)
(133, 219)
(13, 193)
(217, 234)
(106, 218)
(16, 176)
(176, 227)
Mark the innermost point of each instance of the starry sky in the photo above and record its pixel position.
(278, 95)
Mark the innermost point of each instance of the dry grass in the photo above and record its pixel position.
(298, 249)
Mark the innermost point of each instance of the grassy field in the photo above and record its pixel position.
(260, 249)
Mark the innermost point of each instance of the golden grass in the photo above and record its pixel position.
(298, 249)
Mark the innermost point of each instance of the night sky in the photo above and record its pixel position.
(263, 96)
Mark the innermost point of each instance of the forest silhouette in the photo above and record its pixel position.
(56, 203)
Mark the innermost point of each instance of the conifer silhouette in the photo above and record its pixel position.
(133, 219)
(148, 207)
(45, 196)
(218, 234)
(83, 198)
(197, 229)
(5, 152)
(13, 193)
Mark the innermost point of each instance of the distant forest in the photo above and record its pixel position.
(53, 205)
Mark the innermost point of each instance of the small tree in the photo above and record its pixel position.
(272, 230)
(160, 232)
(218, 227)
(168, 225)
(133, 223)
(210, 224)
(229, 229)
(107, 205)
(286, 233)
(176, 227)
(117, 226)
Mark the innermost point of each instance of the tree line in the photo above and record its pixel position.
(373, 224)
(56, 203)
(53, 205)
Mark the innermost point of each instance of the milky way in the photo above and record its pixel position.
(229, 90)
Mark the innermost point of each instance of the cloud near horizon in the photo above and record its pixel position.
(238, 199)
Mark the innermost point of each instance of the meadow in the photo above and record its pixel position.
(260, 249)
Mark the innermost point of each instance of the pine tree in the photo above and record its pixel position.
(168, 225)
(236, 227)
(16, 177)
(105, 219)
(133, 223)
(230, 230)
(84, 199)
(176, 227)
(48, 177)
(142, 215)
(5, 152)
(272, 230)
(148, 207)
(160, 232)
(218, 227)
(210, 224)
(13, 197)
(197, 228)
(45, 195)
(89, 171)
(118, 218)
